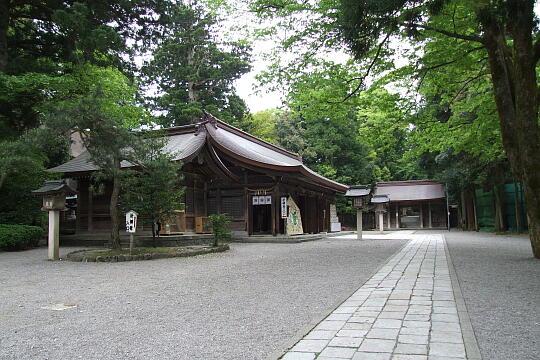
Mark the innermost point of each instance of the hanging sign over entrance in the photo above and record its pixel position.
(283, 207)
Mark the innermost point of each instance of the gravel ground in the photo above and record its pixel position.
(242, 304)
(500, 281)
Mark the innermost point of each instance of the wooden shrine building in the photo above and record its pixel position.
(413, 204)
(262, 187)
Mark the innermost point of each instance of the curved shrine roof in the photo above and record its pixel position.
(187, 141)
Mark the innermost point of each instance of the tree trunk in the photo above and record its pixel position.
(2, 179)
(499, 209)
(115, 224)
(517, 204)
(513, 73)
(4, 23)
(154, 233)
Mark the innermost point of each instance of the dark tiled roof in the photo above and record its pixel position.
(360, 190)
(411, 190)
(52, 186)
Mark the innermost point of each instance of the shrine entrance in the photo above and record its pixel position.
(261, 215)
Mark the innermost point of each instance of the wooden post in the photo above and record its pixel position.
(359, 224)
(389, 214)
(273, 209)
(130, 243)
(90, 211)
(205, 196)
(397, 216)
(54, 234)
(381, 221)
(421, 215)
(429, 215)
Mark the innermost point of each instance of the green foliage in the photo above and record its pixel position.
(220, 227)
(192, 69)
(263, 124)
(19, 237)
(153, 189)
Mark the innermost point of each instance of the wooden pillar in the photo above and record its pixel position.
(388, 215)
(359, 224)
(90, 209)
(195, 207)
(429, 211)
(205, 199)
(421, 215)
(397, 216)
(273, 211)
(381, 221)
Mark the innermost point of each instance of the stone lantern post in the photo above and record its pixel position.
(360, 197)
(54, 194)
(380, 202)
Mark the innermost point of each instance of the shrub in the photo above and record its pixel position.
(19, 237)
(220, 227)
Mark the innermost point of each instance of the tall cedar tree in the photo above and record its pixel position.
(192, 70)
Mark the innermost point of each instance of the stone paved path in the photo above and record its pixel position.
(406, 311)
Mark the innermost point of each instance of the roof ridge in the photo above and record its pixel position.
(260, 141)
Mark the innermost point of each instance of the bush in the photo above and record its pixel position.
(19, 237)
(220, 227)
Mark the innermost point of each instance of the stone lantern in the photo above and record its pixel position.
(360, 197)
(380, 202)
(54, 194)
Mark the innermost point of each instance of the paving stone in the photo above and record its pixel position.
(444, 310)
(444, 303)
(377, 345)
(413, 339)
(362, 319)
(330, 325)
(446, 349)
(445, 326)
(298, 356)
(353, 342)
(445, 318)
(397, 302)
(447, 337)
(392, 315)
(342, 317)
(387, 324)
(365, 313)
(417, 324)
(388, 334)
(414, 349)
(371, 356)
(414, 331)
(338, 352)
(408, 357)
(310, 345)
(417, 317)
(356, 326)
(353, 333)
(416, 311)
(321, 335)
(396, 308)
(345, 310)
